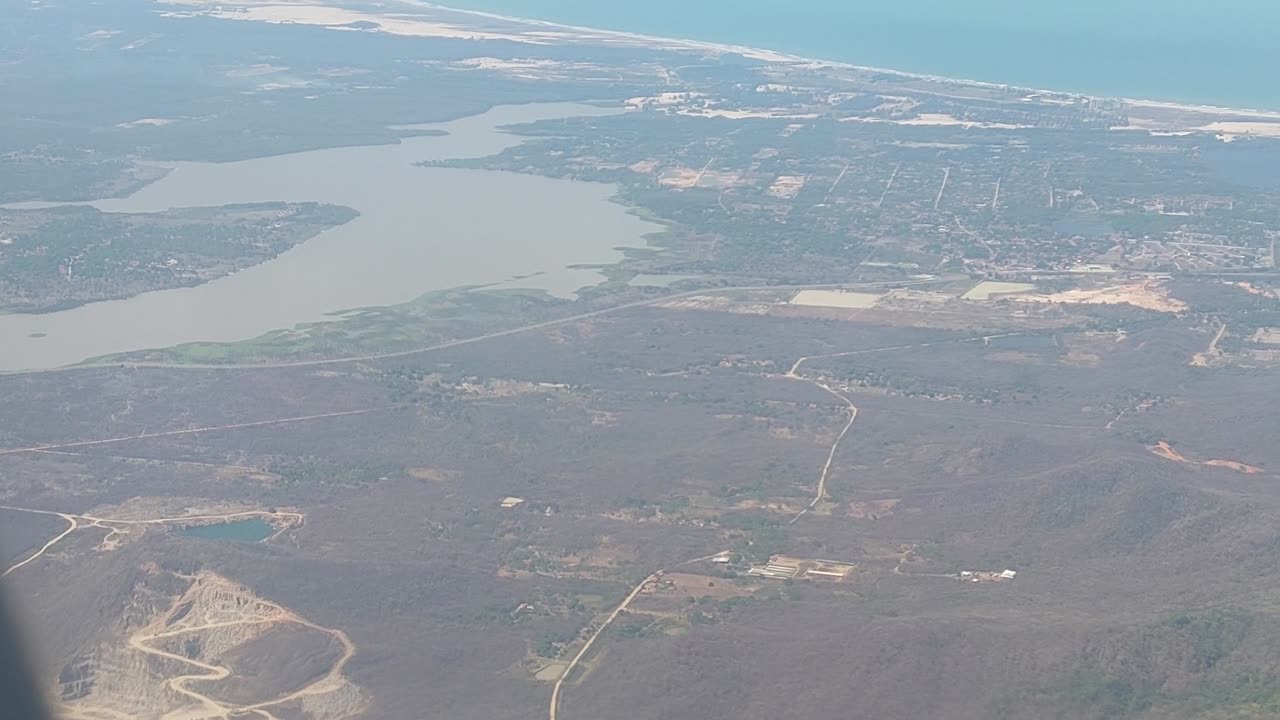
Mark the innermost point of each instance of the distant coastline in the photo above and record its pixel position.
(767, 55)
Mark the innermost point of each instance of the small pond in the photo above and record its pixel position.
(251, 530)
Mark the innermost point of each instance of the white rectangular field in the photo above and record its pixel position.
(991, 288)
(835, 299)
(1267, 336)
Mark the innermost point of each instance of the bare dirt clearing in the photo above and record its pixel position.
(835, 298)
(1165, 450)
(1148, 294)
(990, 288)
(1233, 465)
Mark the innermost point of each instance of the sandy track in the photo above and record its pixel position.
(73, 524)
(890, 348)
(194, 431)
(1212, 352)
(157, 461)
(178, 683)
(820, 492)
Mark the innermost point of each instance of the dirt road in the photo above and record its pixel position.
(331, 681)
(1205, 358)
(178, 683)
(74, 523)
(272, 614)
(820, 492)
(292, 519)
(193, 431)
(591, 641)
(890, 348)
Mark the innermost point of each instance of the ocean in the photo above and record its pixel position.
(1191, 51)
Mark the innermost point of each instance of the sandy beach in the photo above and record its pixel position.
(1148, 114)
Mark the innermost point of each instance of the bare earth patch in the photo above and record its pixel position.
(1232, 130)
(1166, 451)
(787, 187)
(683, 178)
(1148, 294)
(872, 509)
(1267, 336)
(1233, 465)
(993, 288)
(835, 298)
(436, 475)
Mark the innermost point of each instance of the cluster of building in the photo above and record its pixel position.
(987, 576)
(781, 567)
(657, 583)
(512, 502)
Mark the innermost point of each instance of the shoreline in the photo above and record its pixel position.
(778, 57)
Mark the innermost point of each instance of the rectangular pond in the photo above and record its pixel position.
(250, 530)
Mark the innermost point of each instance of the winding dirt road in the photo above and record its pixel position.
(332, 680)
(274, 615)
(179, 683)
(820, 492)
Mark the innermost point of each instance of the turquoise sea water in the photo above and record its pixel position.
(1222, 53)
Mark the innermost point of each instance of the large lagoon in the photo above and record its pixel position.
(420, 229)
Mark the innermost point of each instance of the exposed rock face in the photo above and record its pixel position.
(203, 646)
